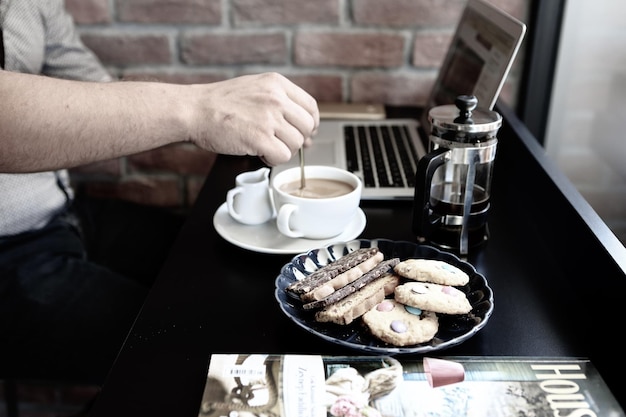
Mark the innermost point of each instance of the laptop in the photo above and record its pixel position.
(384, 152)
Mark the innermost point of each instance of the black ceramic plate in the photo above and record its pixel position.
(453, 329)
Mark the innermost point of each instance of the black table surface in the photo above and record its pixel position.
(557, 274)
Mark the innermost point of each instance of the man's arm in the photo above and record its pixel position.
(47, 123)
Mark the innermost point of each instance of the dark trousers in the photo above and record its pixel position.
(69, 295)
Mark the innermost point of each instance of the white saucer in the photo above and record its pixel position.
(267, 239)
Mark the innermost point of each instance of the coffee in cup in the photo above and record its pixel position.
(325, 207)
(318, 188)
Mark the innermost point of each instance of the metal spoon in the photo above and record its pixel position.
(302, 178)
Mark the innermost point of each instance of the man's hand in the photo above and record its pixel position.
(264, 115)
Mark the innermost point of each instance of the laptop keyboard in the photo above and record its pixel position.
(383, 155)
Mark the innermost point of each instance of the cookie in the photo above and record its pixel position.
(432, 270)
(357, 304)
(400, 325)
(428, 296)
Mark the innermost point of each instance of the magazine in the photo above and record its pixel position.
(241, 385)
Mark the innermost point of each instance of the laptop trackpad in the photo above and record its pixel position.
(322, 153)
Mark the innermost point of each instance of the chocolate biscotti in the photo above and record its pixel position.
(330, 271)
(378, 271)
(355, 305)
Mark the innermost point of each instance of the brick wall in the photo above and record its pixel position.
(338, 50)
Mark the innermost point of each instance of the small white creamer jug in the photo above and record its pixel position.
(250, 202)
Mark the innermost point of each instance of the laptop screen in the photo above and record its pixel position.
(480, 56)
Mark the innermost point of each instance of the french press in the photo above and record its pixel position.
(453, 180)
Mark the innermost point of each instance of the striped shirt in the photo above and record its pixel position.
(40, 38)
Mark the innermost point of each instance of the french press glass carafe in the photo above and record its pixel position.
(453, 180)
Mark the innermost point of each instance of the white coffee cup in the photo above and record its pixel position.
(250, 202)
(322, 216)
